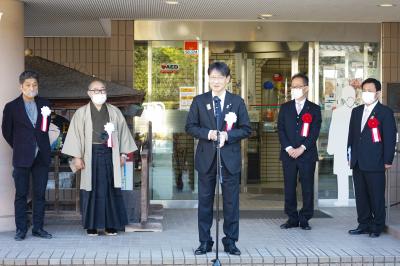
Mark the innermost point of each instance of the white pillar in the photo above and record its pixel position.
(11, 65)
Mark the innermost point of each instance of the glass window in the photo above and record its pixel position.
(174, 78)
(342, 67)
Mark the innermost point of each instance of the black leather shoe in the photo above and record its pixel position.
(358, 231)
(305, 226)
(41, 233)
(20, 235)
(204, 248)
(374, 234)
(288, 225)
(232, 249)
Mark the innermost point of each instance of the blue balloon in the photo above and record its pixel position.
(268, 85)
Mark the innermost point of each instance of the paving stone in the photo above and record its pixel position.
(112, 258)
(22, 257)
(67, 256)
(77, 259)
(278, 256)
(134, 257)
(262, 242)
(256, 257)
(89, 257)
(33, 257)
(145, 257)
(179, 259)
(122, 257)
(55, 258)
(11, 256)
(294, 255)
(156, 257)
(245, 257)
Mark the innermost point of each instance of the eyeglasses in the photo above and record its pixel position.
(220, 78)
(99, 91)
(298, 87)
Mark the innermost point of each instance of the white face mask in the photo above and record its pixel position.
(368, 97)
(297, 93)
(99, 98)
(30, 94)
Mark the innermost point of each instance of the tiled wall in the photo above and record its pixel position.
(122, 47)
(391, 74)
(88, 55)
(105, 58)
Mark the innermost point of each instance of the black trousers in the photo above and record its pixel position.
(230, 195)
(305, 171)
(21, 175)
(103, 207)
(370, 199)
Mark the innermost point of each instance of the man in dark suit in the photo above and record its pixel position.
(25, 128)
(371, 147)
(234, 126)
(299, 123)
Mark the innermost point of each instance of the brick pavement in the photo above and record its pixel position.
(261, 240)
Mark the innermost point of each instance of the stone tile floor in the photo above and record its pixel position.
(261, 240)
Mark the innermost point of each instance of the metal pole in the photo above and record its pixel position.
(216, 261)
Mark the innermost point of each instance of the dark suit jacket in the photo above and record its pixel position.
(22, 136)
(372, 156)
(201, 120)
(289, 130)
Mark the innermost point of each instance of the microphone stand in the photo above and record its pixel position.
(216, 261)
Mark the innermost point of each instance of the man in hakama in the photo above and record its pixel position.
(99, 140)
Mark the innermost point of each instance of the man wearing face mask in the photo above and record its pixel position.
(371, 147)
(299, 123)
(26, 130)
(99, 140)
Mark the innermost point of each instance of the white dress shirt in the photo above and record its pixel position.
(367, 113)
(297, 103)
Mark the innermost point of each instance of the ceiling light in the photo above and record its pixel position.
(265, 15)
(170, 2)
(1, 14)
(386, 5)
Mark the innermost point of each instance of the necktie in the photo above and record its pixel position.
(364, 118)
(217, 106)
(298, 108)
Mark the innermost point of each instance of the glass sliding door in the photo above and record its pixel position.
(172, 81)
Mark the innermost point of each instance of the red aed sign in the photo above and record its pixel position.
(191, 47)
(169, 68)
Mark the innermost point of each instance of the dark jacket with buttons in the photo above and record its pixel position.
(369, 155)
(201, 120)
(20, 134)
(289, 130)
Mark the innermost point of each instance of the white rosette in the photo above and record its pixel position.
(230, 119)
(109, 128)
(45, 111)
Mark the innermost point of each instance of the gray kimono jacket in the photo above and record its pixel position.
(78, 142)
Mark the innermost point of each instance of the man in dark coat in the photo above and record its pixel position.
(25, 128)
(371, 147)
(234, 125)
(299, 123)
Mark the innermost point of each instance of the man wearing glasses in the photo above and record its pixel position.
(99, 140)
(299, 123)
(234, 125)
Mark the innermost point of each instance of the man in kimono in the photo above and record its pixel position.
(99, 140)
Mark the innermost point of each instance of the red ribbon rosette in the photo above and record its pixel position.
(305, 129)
(373, 124)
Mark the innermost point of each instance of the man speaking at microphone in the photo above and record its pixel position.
(218, 112)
